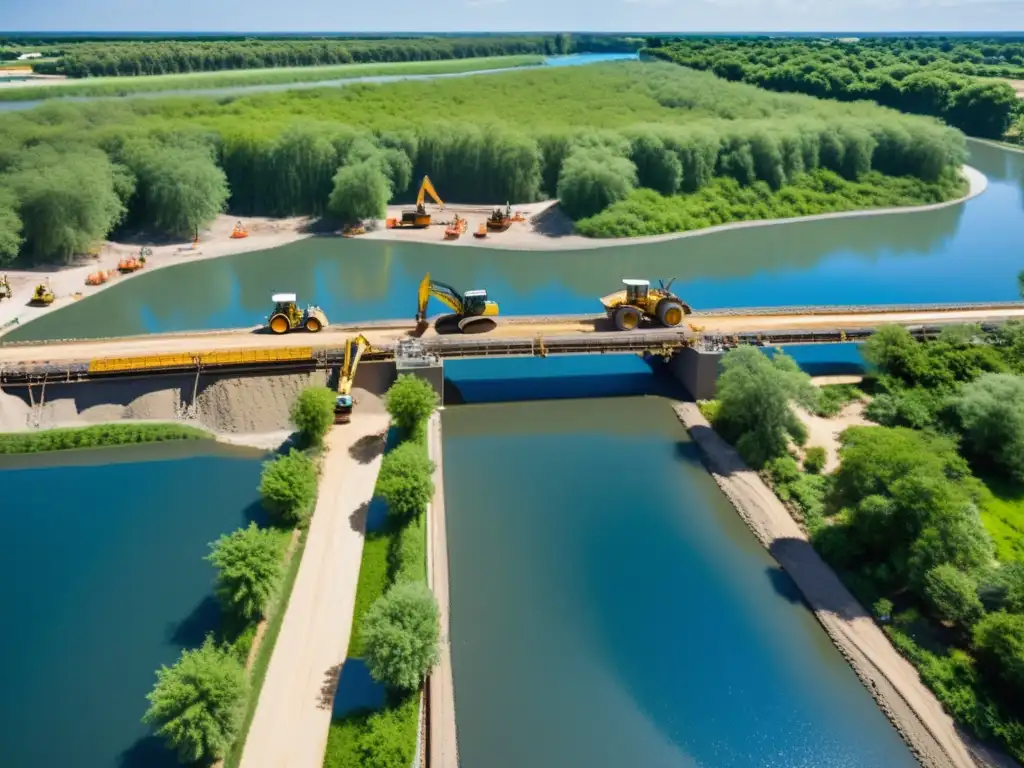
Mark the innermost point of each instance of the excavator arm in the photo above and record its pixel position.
(428, 188)
(443, 292)
(354, 349)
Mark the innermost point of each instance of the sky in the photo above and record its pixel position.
(511, 15)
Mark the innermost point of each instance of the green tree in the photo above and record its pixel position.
(814, 460)
(288, 487)
(10, 227)
(197, 705)
(410, 401)
(991, 410)
(248, 563)
(953, 595)
(406, 480)
(387, 741)
(591, 179)
(895, 352)
(401, 631)
(882, 609)
(184, 190)
(361, 191)
(312, 413)
(999, 641)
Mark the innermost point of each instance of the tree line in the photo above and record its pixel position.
(160, 57)
(922, 79)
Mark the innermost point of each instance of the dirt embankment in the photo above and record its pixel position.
(891, 680)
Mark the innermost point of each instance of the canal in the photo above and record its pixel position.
(105, 581)
(609, 608)
(967, 252)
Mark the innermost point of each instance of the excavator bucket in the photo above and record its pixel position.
(422, 297)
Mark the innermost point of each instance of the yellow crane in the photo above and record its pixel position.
(473, 311)
(354, 349)
(419, 218)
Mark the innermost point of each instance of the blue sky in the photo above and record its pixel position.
(511, 15)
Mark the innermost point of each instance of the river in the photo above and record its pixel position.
(104, 581)
(609, 608)
(967, 252)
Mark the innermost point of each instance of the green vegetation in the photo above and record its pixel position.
(288, 487)
(406, 480)
(927, 76)
(401, 634)
(991, 411)
(128, 85)
(99, 436)
(833, 398)
(249, 569)
(814, 460)
(312, 414)
(590, 133)
(197, 705)
(410, 401)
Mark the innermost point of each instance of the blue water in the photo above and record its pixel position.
(969, 252)
(104, 581)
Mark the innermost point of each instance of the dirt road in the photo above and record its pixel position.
(289, 729)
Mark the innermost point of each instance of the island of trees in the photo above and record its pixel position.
(628, 148)
(957, 80)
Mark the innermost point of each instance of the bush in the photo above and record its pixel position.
(999, 641)
(407, 555)
(783, 469)
(312, 413)
(387, 740)
(197, 705)
(953, 596)
(991, 410)
(882, 609)
(98, 436)
(709, 410)
(288, 487)
(410, 401)
(814, 460)
(249, 568)
(835, 396)
(406, 480)
(592, 179)
(361, 191)
(401, 632)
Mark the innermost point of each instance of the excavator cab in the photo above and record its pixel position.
(475, 302)
(636, 291)
(474, 312)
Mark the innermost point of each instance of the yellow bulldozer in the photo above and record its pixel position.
(418, 218)
(638, 302)
(288, 317)
(474, 313)
(42, 296)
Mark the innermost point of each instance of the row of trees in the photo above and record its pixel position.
(922, 83)
(158, 57)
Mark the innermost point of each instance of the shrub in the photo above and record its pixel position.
(882, 609)
(288, 487)
(991, 410)
(410, 401)
(249, 569)
(953, 596)
(385, 741)
(592, 179)
(999, 641)
(709, 410)
(406, 480)
(198, 704)
(361, 191)
(312, 413)
(401, 632)
(835, 396)
(783, 469)
(814, 460)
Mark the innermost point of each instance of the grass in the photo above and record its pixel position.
(373, 581)
(343, 737)
(98, 436)
(128, 85)
(1002, 513)
(834, 397)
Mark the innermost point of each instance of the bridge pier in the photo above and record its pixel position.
(697, 370)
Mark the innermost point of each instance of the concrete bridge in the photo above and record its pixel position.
(691, 352)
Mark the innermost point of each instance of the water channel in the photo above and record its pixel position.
(609, 607)
(969, 252)
(104, 581)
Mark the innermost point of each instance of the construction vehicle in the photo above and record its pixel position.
(288, 317)
(354, 349)
(5, 288)
(237, 233)
(418, 218)
(638, 302)
(474, 313)
(500, 220)
(43, 296)
(456, 228)
(97, 278)
(354, 231)
(481, 233)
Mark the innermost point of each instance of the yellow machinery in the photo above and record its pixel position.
(500, 220)
(638, 302)
(5, 288)
(419, 218)
(475, 314)
(288, 317)
(43, 296)
(354, 349)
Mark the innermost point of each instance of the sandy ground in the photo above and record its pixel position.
(442, 741)
(293, 714)
(825, 432)
(33, 79)
(891, 680)
(68, 283)
(1018, 87)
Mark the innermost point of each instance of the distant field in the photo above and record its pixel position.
(125, 86)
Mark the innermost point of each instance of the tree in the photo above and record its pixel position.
(999, 641)
(591, 179)
(288, 487)
(361, 191)
(184, 190)
(895, 352)
(814, 460)
(882, 609)
(401, 632)
(953, 596)
(410, 401)
(406, 480)
(249, 568)
(755, 395)
(10, 227)
(386, 741)
(991, 410)
(312, 413)
(197, 705)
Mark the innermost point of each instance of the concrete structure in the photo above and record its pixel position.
(697, 370)
(412, 357)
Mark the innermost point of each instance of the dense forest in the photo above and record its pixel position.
(925, 76)
(71, 174)
(159, 57)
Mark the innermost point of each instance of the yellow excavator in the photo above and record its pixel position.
(473, 311)
(419, 218)
(354, 349)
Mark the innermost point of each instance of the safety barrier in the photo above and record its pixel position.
(202, 359)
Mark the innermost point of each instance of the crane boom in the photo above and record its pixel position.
(443, 292)
(354, 349)
(428, 188)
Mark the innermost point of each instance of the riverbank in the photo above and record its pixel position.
(97, 436)
(891, 680)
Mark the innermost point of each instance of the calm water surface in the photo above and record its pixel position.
(104, 581)
(610, 609)
(969, 252)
